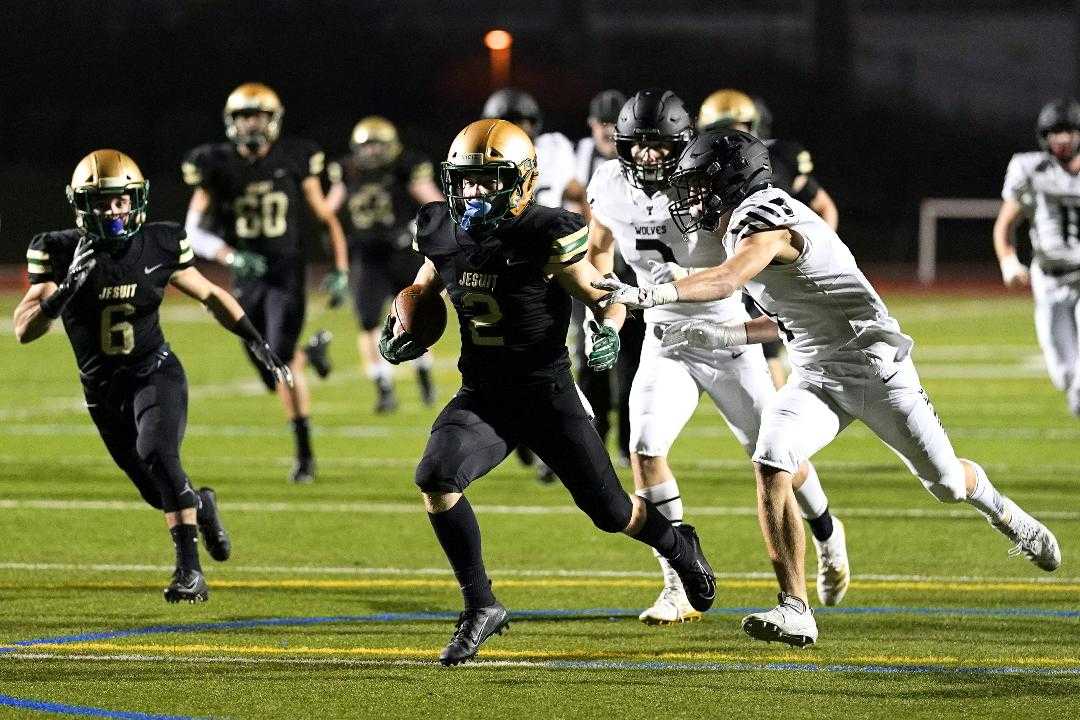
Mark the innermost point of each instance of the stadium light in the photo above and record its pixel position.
(498, 43)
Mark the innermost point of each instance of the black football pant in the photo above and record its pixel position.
(276, 308)
(141, 416)
(481, 425)
(377, 278)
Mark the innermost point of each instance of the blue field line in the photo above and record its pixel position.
(516, 615)
(84, 710)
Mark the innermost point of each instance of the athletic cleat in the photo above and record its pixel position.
(791, 622)
(1033, 539)
(303, 471)
(427, 386)
(187, 586)
(693, 569)
(525, 455)
(213, 532)
(317, 351)
(473, 628)
(670, 608)
(387, 401)
(833, 569)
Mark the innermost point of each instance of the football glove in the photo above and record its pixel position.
(664, 272)
(336, 285)
(635, 298)
(399, 348)
(275, 365)
(79, 270)
(702, 335)
(604, 341)
(246, 264)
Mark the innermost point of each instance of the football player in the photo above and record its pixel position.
(245, 214)
(508, 265)
(792, 167)
(629, 200)
(377, 189)
(104, 279)
(599, 146)
(851, 359)
(1046, 183)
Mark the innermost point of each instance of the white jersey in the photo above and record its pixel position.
(1038, 179)
(587, 160)
(828, 313)
(556, 164)
(644, 231)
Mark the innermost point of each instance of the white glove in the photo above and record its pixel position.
(635, 298)
(664, 272)
(1013, 272)
(702, 335)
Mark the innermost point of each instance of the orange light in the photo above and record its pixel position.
(498, 40)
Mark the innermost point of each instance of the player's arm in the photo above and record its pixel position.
(573, 198)
(428, 278)
(205, 243)
(706, 335)
(227, 311)
(321, 209)
(398, 347)
(603, 343)
(822, 203)
(29, 321)
(601, 253)
(424, 190)
(1013, 271)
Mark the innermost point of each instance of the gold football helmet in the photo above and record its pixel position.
(375, 141)
(108, 173)
(253, 98)
(725, 108)
(495, 154)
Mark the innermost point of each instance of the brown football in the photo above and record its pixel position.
(423, 314)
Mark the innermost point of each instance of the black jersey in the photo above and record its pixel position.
(378, 206)
(257, 203)
(513, 316)
(112, 321)
(789, 160)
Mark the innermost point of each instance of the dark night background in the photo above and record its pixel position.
(898, 101)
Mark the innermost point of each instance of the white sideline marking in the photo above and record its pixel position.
(376, 508)
(221, 570)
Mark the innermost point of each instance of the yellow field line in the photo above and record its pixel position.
(391, 583)
(409, 653)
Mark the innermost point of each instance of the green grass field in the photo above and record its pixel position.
(350, 600)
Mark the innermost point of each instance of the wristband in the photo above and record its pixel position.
(52, 306)
(735, 334)
(664, 294)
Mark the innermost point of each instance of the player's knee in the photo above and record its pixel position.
(609, 511)
(651, 467)
(431, 479)
(947, 487)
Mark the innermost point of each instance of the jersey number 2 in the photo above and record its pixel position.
(117, 334)
(484, 326)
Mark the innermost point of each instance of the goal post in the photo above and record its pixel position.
(931, 210)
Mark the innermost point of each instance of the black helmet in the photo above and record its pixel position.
(513, 104)
(1056, 115)
(717, 171)
(606, 105)
(651, 116)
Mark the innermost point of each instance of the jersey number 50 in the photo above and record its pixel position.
(261, 215)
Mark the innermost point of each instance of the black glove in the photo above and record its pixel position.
(399, 348)
(262, 352)
(79, 270)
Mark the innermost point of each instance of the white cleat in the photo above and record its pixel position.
(671, 607)
(833, 568)
(1033, 539)
(791, 622)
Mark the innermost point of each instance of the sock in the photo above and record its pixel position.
(302, 431)
(459, 534)
(814, 505)
(659, 533)
(665, 497)
(186, 540)
(987, 500)
(424, 362)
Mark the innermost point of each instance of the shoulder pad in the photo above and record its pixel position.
(567, 234)
(48, 248)
(767, 209)
(434, 231)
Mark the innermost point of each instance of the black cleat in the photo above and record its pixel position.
(187, 586)
(694, 571)
(317, 351)
(427, 386)
(387, 400)
(215, 537)
(525, 455)
(303, 471)
(473, 628)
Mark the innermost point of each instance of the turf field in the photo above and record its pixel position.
(337, 598)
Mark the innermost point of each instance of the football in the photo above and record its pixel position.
(421, 313)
